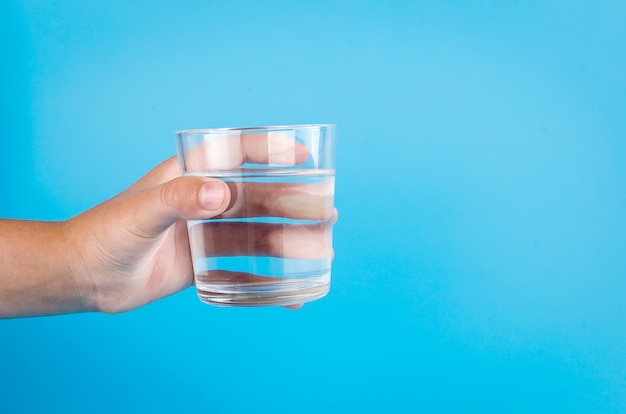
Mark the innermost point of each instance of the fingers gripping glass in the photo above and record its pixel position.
(273, 244)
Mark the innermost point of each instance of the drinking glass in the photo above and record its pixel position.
(273, 244)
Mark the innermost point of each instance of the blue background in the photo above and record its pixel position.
(481, 186)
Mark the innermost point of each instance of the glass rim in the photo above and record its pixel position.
(254, 128)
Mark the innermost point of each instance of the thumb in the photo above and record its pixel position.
(187, 198)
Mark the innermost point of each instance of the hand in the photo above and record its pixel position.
(134, 248)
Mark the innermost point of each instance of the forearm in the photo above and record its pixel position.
(36, 276)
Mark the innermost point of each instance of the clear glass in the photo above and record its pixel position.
(273, 245)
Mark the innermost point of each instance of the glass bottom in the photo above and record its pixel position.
(275, 293)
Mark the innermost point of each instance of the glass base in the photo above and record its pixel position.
(285, 293)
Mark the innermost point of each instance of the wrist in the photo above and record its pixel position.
(76, 265)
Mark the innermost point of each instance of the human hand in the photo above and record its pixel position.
(134, 248)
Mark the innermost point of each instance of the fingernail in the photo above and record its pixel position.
(212, 195)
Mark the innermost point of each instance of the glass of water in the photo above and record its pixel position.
(273, 244)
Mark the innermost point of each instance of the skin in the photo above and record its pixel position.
(124, 253)
(133, 249)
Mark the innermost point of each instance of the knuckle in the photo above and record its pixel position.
(176, 194)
